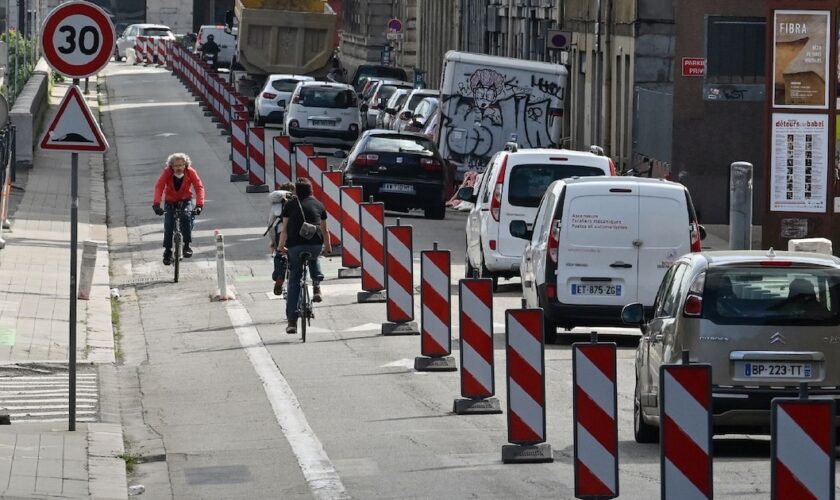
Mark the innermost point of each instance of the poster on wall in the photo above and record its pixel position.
(799, 163)
(800, 58)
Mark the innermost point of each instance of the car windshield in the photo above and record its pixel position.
(772, 296)
(399, 144)
(529, 182)
(327, 97)
(284, 85)
(380, 72)
(156, 32)
(416, 98)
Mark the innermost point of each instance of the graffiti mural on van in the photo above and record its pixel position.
(487, 107)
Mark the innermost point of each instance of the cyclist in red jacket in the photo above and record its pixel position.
(175, 184)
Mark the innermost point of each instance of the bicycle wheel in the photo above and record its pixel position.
(177, 254)
(304, 310)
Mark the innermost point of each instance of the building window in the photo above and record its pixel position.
(735, 49)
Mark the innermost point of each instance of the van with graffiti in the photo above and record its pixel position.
(487, 101)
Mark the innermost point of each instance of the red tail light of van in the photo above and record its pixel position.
(612, 168)
(269, 95)
(496, 202)
(696, 243)
(554, 241)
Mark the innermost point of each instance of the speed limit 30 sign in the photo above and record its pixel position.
(77, 39)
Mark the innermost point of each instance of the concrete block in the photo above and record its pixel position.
(30, 105)
(815, 245)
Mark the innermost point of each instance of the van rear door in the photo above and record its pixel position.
(663, 232)
(598, 259)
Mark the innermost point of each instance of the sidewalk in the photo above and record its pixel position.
(39, 457)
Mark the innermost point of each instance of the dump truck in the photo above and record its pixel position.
(280, 37)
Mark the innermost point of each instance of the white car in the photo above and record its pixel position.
(406, 113)
(225, 41)
(379, 98)
(599, 243)
(511, 188)
(132, 31)
(270, 104)
(323, 113)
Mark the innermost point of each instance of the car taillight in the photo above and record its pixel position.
(612, 168)
(366, 161)
(776, 263)
(430, 165)
(269, 95)
(551, 291)
(293, 124)
(496, 201)
(693, 307)
(554, 241)
(695, 238)
(296, 99)
(492, 244)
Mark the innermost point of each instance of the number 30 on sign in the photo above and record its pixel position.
(77, 39)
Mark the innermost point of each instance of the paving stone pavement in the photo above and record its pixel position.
(45, 459)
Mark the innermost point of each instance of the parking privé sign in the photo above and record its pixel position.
(77, 39)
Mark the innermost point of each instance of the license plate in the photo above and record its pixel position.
(323, 123)
(776, 370)
(587, 289)
(397, 188)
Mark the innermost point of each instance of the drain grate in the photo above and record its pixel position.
(161, 278)
(45, 398)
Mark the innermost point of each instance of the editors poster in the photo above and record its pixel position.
(800, 58)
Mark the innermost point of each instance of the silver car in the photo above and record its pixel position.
(132, 31)
(765, 321)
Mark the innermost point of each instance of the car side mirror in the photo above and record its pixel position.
(633, 314)
(467, 194)
(519, 229)
(339, 154)
(391, 111)
(416, 124)
(702, 232)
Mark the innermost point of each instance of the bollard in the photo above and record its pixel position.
(351, 232)
(685, 442)
(317, 166)
(399, 282)
(303, 152)
(222, 293)
(239, 151)
(331, 197)
(525, 388)
(372, 218)
(435, 312)
(594, 403)
(740, 205)
(282, 160)
(802, 447)
(478, 381)
(86, 272)
(256, 161)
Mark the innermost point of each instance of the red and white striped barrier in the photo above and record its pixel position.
(686, 435)
(478, 381)
(161, 51)
(526, 387)
(317, 166)
(372, 218)
(399, 283)
(138, 49)
(802, 449)
(239, 151)
(303, 152)
(435, 312)
(149, 49)
(256, 161)
(282, 160)
(595, 420)
(330, 185)
(351, 231)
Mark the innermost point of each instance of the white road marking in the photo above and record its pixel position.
(365, 328)
(319, 472)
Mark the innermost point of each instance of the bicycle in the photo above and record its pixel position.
(304, 308)
(177, 236)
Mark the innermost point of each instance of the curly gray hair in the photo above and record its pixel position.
(170, 160)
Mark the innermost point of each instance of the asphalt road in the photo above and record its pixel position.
(242, 410)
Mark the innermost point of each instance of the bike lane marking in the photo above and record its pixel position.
(316, 466)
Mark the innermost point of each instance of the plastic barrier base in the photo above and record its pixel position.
(239, 177)
(408, 328)
(370, 297)
(442, 364)
(464, 406)
(262, 188)
(350, 272)
(527, 454)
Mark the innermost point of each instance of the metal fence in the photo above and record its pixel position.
(7, 174)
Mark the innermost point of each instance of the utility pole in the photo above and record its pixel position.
(606, 133)
(598, 82)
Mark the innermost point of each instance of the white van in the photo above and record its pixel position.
(511, 188)
(602, 242)
(325, 114)
(225, 41)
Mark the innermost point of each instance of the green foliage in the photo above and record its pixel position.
(21, 56)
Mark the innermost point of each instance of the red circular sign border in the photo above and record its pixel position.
(98, 16)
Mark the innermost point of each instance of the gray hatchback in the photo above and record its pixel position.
(765, 321)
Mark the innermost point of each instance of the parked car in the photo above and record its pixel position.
(376, 71)
(426, 109)
(763, 320)
(389, 112)
(323, 113)
(403, 170)
(511, 188)
(405, 113)
(270, 104)
(383, 91)
(225, 41)
(599, 243)
(130, 34)
(430, 130)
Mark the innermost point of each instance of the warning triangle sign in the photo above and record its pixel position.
(73, 128)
